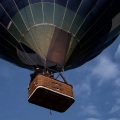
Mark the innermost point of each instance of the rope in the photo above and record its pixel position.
(16, 40)
(75, 15)
(54, 13)
(31, 33)
(64, 13)
(91, 26)
(42, 11)
(20, 13)
(11, 19)
(93, 23)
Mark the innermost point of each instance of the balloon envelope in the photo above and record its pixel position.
(56, 33)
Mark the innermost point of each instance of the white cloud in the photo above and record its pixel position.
(93, 119)
(76, 89)
(90, 110)
(82, 89)
(116, 107)
(117, 54)
(105, 70)
(117, 82)
(113, 119)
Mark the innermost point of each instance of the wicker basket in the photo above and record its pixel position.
(50, 93)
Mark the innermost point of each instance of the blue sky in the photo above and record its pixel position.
(96, 88)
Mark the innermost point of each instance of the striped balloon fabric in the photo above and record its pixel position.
(58, 34)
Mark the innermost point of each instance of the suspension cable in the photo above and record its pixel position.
(17, 41)
(31, 33)
(64, 13)
(11, 19)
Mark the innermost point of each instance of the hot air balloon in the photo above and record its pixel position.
(56, 35)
